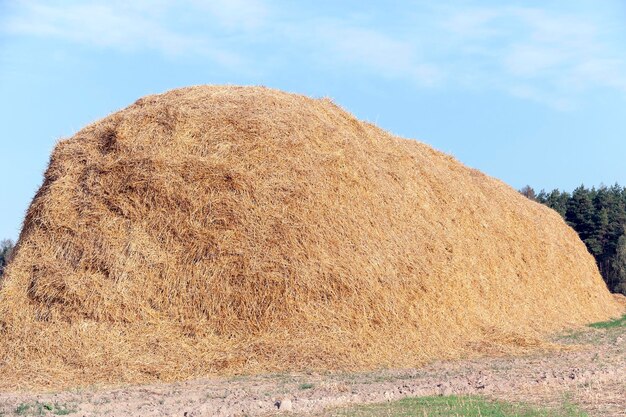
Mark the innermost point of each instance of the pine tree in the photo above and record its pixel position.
(618, 278)
(558, 201)
(599, 246)
(617, 216)
(580, 212)
(596, 242)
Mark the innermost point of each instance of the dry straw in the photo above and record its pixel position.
(222, 230)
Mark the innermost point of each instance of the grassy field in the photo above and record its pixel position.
(467, 406)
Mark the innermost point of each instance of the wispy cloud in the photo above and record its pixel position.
(532, 53)
(541, 95)
(236, 14)
(538, 54)
(123, 26)
(358, 48)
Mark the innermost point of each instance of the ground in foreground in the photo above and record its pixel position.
(589, 379)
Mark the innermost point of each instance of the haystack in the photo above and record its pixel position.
(223, 230)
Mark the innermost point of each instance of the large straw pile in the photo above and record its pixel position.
(219, 230)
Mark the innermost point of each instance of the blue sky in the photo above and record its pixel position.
(531, 92)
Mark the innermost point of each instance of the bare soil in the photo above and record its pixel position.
(590, 373)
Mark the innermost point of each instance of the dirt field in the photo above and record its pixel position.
(591, 375)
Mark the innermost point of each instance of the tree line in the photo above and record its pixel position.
(599, 217)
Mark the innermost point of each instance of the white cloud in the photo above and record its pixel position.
(236, 14)
(117, 25)
(532, 93)
(606, 71)
(528, 60)
(537, 54)
(471, 23)
(384, 55)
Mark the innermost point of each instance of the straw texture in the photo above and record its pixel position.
(219, 230)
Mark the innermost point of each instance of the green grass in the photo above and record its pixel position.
(620, 322)
(306, 385)
(596, 333)
(42, 409)
(453, 406)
